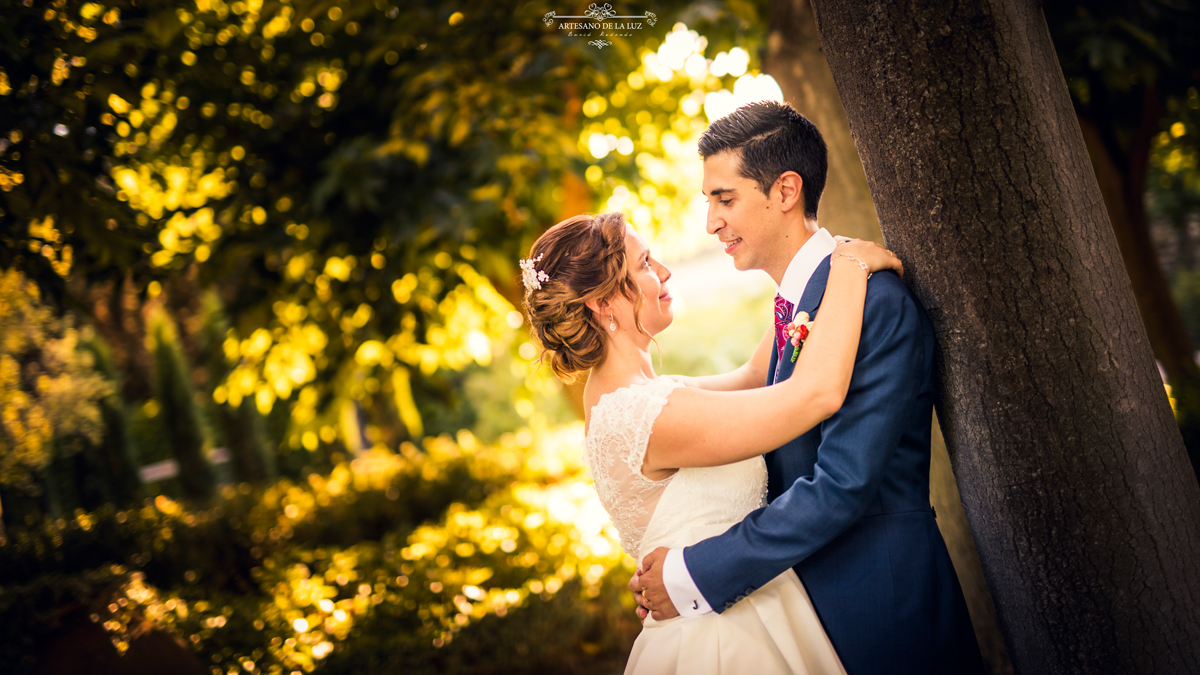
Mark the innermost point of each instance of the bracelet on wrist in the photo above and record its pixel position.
(862, 265)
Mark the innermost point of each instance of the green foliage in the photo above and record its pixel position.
(49, 391)
(30, 612)
(342, 176)
(240, 428)
(1174, 178)
(328, 202)
(377, 139)
(117, 463)
(178, 401)
(338, 568)
(1131, 69)
(1186, 289)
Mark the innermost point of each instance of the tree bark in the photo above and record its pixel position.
(1073, 474)
(794, 58)
(1123, 184)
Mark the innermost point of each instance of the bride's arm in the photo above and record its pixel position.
(710, 428)
(753, 373)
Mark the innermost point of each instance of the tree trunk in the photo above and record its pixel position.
(794, 58)
(1073, 474)
(1123, 185)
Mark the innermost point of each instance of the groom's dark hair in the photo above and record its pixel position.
(772, 138)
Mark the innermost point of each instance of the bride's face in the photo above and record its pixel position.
(651, 278)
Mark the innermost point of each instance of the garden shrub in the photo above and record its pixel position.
(457, 557)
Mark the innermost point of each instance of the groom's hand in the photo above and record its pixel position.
(635, 587)
(653, 590)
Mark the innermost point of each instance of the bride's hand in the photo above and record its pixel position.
(875, 256)
(682, 379)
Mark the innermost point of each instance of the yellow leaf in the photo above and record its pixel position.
(405, 404)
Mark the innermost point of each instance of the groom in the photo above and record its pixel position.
(849, 500)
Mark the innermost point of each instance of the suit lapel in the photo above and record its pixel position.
(810, 300)
(815, 290)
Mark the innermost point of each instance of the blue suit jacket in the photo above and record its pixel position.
(849, 507)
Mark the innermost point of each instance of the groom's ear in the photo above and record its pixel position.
(789, 184)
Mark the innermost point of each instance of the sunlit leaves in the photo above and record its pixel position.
(1174, 173)
(1130, 67)
(48, 388)
(355, 184)
(1175, 150)
(357, 169)
(484, 557)
(642, 137)
(271, 365)
(46, 239)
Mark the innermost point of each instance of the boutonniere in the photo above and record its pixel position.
(797, 332)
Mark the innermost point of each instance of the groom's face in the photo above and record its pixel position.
(739, 214)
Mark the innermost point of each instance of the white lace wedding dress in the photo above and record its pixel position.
(775, 629)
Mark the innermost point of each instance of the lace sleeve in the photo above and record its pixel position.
(618, 433)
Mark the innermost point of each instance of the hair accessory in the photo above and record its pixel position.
(861, 264)
(533, 276)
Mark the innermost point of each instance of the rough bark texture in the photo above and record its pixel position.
(1123, 184)
(794, 58)
(1072, 472)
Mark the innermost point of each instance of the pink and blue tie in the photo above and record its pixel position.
(783, 316)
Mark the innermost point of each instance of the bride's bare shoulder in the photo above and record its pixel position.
(595, 389)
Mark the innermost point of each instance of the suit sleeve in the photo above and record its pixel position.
(856, 446)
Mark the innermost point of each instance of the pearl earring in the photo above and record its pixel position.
(612, 325)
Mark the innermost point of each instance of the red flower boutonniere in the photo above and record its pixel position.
(797, 332)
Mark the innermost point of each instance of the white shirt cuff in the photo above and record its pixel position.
(683, 592)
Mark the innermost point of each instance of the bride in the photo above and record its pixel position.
(674, 464)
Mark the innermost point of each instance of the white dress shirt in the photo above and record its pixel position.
(684, 595)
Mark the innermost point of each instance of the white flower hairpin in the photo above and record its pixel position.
(533, 276)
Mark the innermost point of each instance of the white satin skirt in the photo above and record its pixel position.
(775, 630)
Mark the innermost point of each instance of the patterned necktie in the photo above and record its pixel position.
(783, 316)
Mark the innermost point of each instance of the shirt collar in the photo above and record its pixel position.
(805, 262)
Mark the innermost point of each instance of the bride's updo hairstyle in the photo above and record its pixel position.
(583, 259)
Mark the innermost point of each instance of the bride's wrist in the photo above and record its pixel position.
(852, 259)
